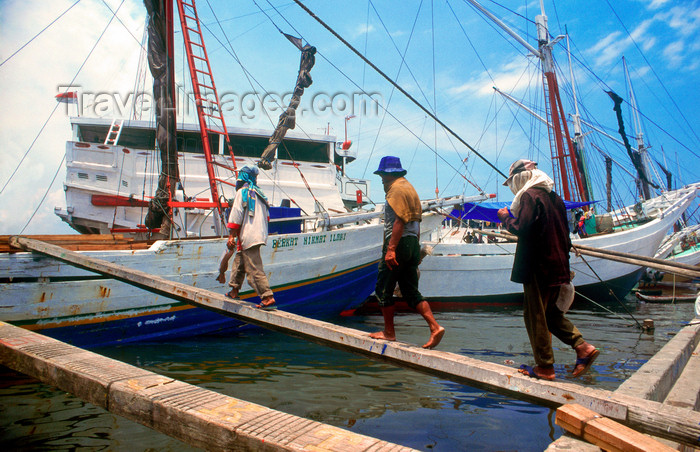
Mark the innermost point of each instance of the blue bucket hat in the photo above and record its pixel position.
(390, 166)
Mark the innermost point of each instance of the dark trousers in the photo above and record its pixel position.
(542, 317)
(406, 274)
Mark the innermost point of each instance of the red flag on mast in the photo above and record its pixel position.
(69, 97)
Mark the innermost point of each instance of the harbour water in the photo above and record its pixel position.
(350, 391)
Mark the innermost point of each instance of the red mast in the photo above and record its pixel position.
(209, 113)
(566, 172)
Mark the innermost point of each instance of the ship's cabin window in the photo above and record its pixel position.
(190, 141)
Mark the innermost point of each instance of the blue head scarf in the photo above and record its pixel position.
(247, 178)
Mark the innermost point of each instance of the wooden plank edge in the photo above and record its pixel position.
(197, 416)
(604, 432)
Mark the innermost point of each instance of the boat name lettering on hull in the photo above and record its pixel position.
(314, 239)
(338, 236)
(309, 240)
(285, 242)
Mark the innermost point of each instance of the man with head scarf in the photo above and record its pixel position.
(247, 225)
(541, 264)
(401, 252)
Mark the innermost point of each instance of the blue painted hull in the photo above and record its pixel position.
(320, 298)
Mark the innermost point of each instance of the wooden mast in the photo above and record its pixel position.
(564, 160)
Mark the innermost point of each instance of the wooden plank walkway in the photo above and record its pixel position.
(671, 376)
(197, 416)
(675, 423)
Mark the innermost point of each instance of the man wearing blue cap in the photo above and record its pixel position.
(401, 252)
(247, 225)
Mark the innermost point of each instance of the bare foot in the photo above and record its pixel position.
(382, 335)
(435, 338)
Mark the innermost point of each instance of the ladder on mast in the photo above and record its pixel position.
(209, 113)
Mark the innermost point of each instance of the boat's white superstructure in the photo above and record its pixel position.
(108, 186)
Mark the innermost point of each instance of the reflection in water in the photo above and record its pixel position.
(347, 390)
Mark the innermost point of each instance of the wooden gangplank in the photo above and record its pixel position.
(670, 377)
(195, 415)
(674, 423)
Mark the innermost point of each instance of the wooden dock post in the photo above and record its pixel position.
(195, 415)
(674, 423)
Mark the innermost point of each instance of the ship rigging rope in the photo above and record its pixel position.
(409, 130)
(40, 32)
(31, 146)
(249, 77)
(46, 193)
(403, 91)
(398, 72)
(690, 127)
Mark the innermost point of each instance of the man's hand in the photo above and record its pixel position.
(390, 259)
(503, 213)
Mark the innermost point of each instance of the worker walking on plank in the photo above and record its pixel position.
(247, 225)
(401, 252)
(541, 264)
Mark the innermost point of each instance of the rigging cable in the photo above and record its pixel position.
(432, 36)
(46, 193)
(403, 91)
(56, 106)
(37, 35)
(409, 130)
(391, 94)
(690, 127)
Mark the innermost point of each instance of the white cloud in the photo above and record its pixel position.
(362, 30)
(674, 53)
(657, 4)
(30, 80)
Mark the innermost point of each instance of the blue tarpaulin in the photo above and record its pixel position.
(486, 211)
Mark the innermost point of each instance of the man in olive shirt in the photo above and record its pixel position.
(401, 252)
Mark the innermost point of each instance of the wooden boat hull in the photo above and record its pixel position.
(463, 275)
(312, 274)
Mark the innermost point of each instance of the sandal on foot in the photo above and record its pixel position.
(529, 371)
(232, 294)
(586, 362)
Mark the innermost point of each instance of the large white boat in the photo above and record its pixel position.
(109, 185)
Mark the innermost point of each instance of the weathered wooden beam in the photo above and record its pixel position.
(197, 416)
(654, 380)
(604, 432)
(676, 268)
(686, 391)
(677, 424)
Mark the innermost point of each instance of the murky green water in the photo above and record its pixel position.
(346, 390)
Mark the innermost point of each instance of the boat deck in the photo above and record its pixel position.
(82, 242)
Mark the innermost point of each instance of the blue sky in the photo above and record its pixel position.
(451, 60)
